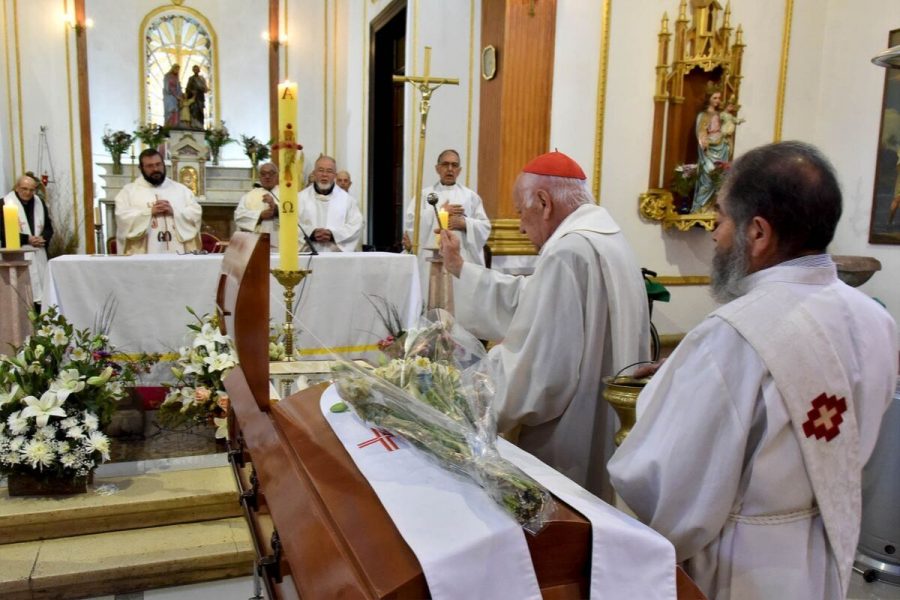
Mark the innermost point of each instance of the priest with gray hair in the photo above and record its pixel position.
(580, 317)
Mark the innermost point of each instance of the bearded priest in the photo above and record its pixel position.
(750, 440)
(330, 215)
(155, 214)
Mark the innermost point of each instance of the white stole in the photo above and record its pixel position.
(817, 395)
(37, 260)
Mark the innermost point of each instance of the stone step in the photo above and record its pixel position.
(126, 561)
(120, 503)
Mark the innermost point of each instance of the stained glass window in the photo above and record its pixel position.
(176, 38)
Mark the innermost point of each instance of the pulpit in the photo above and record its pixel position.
(320, 529)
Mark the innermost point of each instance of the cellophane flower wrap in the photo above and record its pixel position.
(198, 394)
(436, 398)
(57, 393)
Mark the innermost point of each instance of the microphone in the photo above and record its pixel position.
(306, 238)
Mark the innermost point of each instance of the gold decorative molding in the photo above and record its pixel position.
(682, 279)
(9, 104)
(364, 114)
(782, 73)
(334, 79)
(142, 73)
(19, 87)
(506, 239)
(658, 205)
(71, 116)
(469, 99)
(325, 149)
(601, 98)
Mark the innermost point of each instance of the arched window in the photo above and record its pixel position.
(176, 37)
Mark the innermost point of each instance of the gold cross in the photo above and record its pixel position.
(426, 84)
(825, 417)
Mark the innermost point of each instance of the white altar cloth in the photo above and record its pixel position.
(152, 292)
(628, 559)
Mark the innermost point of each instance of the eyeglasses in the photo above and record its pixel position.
(449, 165)
(326, 171)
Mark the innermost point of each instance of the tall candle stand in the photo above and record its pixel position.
(289, 280)
(98, 236)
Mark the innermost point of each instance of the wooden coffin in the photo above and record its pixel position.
(334, 538)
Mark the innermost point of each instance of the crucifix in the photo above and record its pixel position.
(426, 86)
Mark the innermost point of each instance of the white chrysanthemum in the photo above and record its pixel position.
(63, 448)
(48, 406)
(75, 432)
(17, 423)
(10, 395)
(38, 453)
(79, 354)
(68, 422)
(58, 337)
(16, 443)
(47, 432)
(68, 382)
(98, 442)
(11, 458)
(91, 423)
(69, 461)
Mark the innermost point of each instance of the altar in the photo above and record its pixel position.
(152, 291)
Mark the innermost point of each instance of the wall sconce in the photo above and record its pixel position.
(70, 21)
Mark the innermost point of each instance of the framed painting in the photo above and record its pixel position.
(884, 226)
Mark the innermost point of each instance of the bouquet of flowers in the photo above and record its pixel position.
(437, 399)
(684, 179)
(117, 142)
(57, 393)
(216, 137)
(255, 150)
(198, 394)
(151, 134)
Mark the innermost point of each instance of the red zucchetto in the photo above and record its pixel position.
(555, 164)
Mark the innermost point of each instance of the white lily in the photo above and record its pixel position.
(101, 378)
(49, 405)
(219, 362)
(11, 396)
(221, 427)
(68, 382)
(59, 337)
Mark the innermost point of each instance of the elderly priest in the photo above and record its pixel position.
(330, 214)
(257, 210)
(751, 438)
(581, 316)
(155, 214)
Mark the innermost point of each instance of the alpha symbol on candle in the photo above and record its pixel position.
(286, 94)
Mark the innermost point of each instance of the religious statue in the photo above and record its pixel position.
(195, 94)
(172, 97)
(713, 149)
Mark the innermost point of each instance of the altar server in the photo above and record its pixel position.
(581, 316)
(155, 214)
(328, 214)
(751, 438)
(257, 210)
(465, 216)
(35, 230)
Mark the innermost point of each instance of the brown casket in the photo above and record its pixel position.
(334, 538)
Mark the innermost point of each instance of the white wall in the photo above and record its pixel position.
(832, 99)
(42, 40)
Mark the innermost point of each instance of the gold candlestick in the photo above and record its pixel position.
(289, 280)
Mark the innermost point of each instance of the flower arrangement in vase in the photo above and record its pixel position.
(198, 394)
(151, 134)
(57, 393)
(216, 137)
(117, 142)
(256, 151)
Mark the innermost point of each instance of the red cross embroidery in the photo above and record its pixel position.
(385, 438)
(824, 420)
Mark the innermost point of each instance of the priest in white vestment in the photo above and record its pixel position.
(257, 210)
(580, 317)
(155, 214)
(466, 217)
(328, 214)
(35, 230)
(750, 440)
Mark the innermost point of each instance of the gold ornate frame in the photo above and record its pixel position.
(703, 51)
